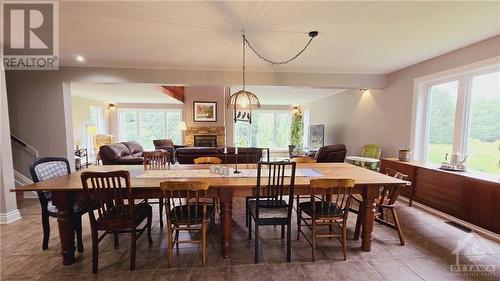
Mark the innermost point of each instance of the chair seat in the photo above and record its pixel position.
(79, 208)
(190, 213)
(268, 211)
(120, 219)
(327, 210)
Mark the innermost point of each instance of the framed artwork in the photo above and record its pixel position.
(317, 136)
(204, 111)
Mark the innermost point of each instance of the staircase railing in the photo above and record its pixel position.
(28, 148)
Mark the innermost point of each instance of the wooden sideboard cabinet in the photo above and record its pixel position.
(469, 196)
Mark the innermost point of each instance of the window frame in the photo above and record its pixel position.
(137, 112)
(274, 111)
(463, 112)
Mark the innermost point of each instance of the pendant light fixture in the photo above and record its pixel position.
(243, 101)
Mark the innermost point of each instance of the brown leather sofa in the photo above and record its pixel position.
(123, 153)
(331, 153)
(187, 155)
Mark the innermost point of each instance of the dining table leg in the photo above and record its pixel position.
(369, 196)
(226, 209)
(64, 202)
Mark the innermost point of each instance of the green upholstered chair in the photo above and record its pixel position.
(371, 151)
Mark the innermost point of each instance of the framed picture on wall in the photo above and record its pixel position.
(317, 136)
(204, 111)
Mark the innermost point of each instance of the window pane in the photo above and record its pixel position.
(152, 126)
(484, 135)
(262, 129)
(173, 119)
(443, 100)
(283, 128)
(242, 134)
(129, 126)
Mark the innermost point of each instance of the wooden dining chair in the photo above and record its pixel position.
(273, 201)
(44, 169)
(328, 206)
(215, 200)
(303, 159)
(386, 201)
(207, 160)
(157, 160)
(187, 210)
(110, 189)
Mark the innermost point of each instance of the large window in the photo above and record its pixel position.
(146, 125)
(443, 103)
(268, 129)
(463, 115)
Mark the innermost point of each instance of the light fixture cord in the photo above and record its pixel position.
(244, 62)
(271, 61)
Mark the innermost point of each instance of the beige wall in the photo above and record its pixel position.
(385, 116)
(80, 113)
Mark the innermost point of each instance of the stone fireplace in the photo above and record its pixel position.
(205, 141)
(205, 136)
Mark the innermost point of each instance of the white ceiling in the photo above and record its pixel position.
(121, 93)
(281, 95)
(148, 93)
(355, 37)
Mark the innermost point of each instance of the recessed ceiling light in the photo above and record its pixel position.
(80, 58)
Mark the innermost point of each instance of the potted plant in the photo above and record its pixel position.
(296, 132)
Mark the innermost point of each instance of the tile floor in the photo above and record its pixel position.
(426, 256)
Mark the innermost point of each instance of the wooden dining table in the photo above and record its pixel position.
(67, 189)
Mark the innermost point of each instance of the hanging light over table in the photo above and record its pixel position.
(243, 101)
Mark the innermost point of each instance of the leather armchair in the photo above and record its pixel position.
(331, 154)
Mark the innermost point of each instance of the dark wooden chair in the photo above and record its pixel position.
(109, 190)
(44, 169)
(272, 205)
(157, 160)
(386, 201)
(328, 207)
(190, 216)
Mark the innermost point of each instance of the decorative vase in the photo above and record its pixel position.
(404, 154)
(291, 148)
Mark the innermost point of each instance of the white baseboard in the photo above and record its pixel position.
(10, 217)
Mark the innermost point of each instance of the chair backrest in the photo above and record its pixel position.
(109, 190)
(274, 188)
(178, 192)
(100, 140)
(47, 168)
(207, 160)
(390, 194)
(163, 142)
(301, 159)
(334, 196)
(331, 154)
(371, 151)
(157, 160)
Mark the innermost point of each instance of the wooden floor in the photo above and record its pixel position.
(426, 256)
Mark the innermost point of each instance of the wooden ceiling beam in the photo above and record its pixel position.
(177, 92)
